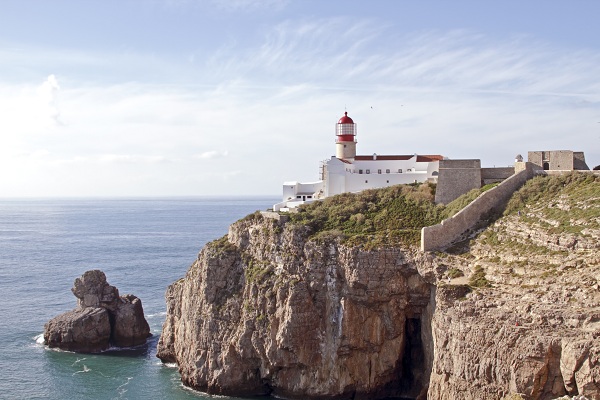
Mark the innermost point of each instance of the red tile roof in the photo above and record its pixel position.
(420, 158)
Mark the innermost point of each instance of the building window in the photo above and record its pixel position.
(360, 171)
(368, 171)
(366, 181)
(399, 171)
(387, 181)
(387, 171)
(309, 196)
(298, 197)
(378, 171)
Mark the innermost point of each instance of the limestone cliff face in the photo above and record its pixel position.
(534, 329)
(269, 312)
(266, 310)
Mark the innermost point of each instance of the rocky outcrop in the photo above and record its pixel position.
(266, 310)
(262, 312)
(101, 319)
(488, 346)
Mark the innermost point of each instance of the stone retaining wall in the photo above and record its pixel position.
(449, 230)
(275, 215)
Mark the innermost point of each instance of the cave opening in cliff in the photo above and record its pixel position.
(413, 359)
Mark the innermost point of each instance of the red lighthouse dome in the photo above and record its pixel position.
(345, 119)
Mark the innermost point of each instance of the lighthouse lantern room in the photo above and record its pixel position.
(345, 140)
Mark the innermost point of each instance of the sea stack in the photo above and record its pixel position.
(101, 319)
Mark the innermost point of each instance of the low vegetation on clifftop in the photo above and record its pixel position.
(373, 217)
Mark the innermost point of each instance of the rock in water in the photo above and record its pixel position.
(101, 319)
(86, 330)
(130, 327)
(92, 290)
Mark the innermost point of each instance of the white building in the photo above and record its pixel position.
(348, 172)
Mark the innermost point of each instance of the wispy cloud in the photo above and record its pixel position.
(265, 113)
(209, 155)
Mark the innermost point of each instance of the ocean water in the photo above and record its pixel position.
(142, 245)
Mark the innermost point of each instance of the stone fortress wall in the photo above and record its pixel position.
(457, 177)
(450, 230)
(495, 175)
(558, 160)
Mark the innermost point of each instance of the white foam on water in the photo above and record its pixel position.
(160, 314)
(39, 339)
(121, 388)
(200, 394)
(85, 369)
(168, 365)
(78, 360)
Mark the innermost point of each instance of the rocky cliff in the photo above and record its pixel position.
(276, 308)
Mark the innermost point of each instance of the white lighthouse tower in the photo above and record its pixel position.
(345, 138)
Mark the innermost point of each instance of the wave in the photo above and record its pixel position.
(160, 314)
(79, 360)
(39, 339)
(84, 370)
(122, 388)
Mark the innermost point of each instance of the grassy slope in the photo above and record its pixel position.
(529, 244)
(373, 217)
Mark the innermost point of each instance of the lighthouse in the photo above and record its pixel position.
(345, 138)
(349, 172)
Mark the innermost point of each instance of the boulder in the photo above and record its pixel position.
(85, 330)
(101, 319)
(92, 290)
(130, 327)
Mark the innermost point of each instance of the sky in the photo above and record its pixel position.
(106, 98)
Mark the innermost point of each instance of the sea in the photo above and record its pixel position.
(142, 245)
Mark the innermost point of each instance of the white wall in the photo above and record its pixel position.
(341, 177)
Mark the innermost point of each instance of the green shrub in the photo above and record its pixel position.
(478, 278)
(455, 273)
(222, 245)
(375, 217)
(257, 272)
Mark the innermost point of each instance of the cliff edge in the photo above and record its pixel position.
(340, 303)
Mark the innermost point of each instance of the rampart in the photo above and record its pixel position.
(449, 230)
(495, 175)
(457, 177)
